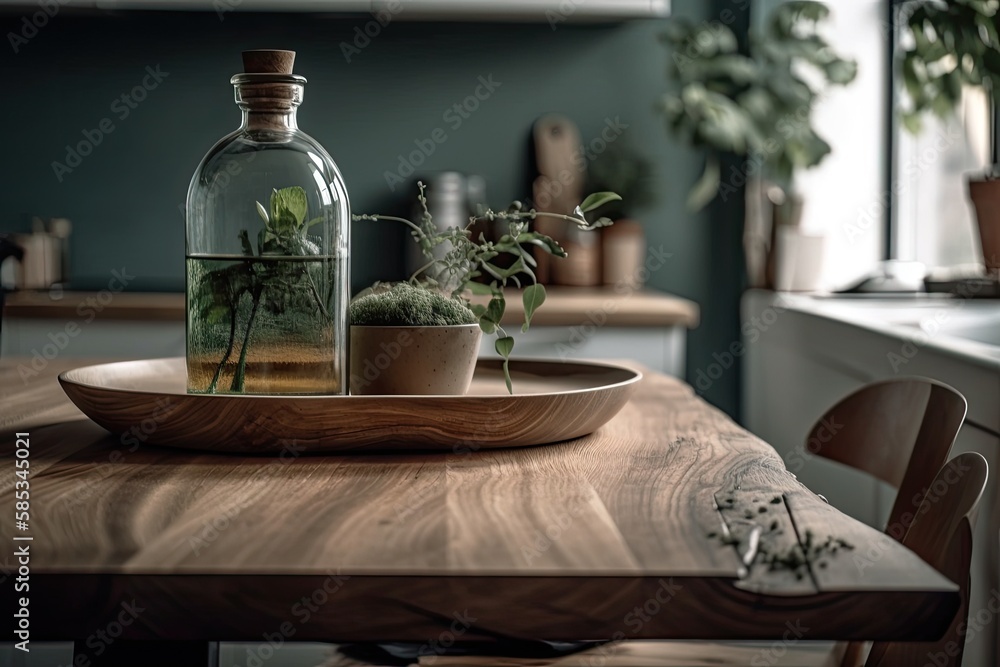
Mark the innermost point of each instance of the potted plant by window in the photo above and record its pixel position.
(949, 46)
(422, 337)
(755, 105)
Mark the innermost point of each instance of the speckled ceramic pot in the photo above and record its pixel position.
(413, 360)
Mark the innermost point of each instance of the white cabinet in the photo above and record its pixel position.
(661, 349)
(109, 339)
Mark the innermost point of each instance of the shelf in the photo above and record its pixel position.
(553, 12)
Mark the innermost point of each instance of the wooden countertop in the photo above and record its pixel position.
(573, 540)
(571, 306)
(107, 305)
(565, 306)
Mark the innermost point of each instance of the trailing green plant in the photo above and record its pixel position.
(466, 259)
(948, 45)
(404, 304)
(276, 287)
(758, 104)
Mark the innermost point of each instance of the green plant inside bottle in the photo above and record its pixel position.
(261, 322)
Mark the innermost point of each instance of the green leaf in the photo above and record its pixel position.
(487, 325)
(478, 288)
(314, 221)
(542, 241)
(478, 309)
(598, 199)
(533, 297)
(504, 346)
(262, 212)
(495, 309)
(289, 207)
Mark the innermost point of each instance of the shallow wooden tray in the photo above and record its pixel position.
(555, 401)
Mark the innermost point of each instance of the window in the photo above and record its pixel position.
(933, 221)
(845, 196)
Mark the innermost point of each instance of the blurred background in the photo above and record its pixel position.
(367, 101)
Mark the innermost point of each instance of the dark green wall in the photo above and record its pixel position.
(124, 197)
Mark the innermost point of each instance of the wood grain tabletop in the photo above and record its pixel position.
(640, 530)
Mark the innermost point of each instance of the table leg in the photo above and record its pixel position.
(149, 654)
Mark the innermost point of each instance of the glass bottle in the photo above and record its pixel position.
(268, 225)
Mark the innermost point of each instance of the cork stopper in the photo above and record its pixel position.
(268, 61)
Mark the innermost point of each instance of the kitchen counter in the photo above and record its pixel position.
(604, 306)
(574, 323)
(107, 305)
(565, 306)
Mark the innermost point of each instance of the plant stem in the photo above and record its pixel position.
(229, 351)
(423, 268)
(239, 377)
(402, 220)
(315, 294)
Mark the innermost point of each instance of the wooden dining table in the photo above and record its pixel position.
(669, 522)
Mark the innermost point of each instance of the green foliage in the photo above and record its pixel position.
(952, 44)
(277, 287)
(409, 305)
(532, 298)
(467, 259)
(754, 105)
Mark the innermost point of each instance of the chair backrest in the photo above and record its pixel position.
(942, 536)
(899, 431)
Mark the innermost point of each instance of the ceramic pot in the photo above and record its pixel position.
(413, 360)
(985, 195)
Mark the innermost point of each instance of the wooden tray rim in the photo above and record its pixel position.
(66, 378)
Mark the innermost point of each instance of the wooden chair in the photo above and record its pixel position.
(942, 536)
(899, 431)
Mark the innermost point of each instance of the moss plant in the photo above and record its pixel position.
(406, 305)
